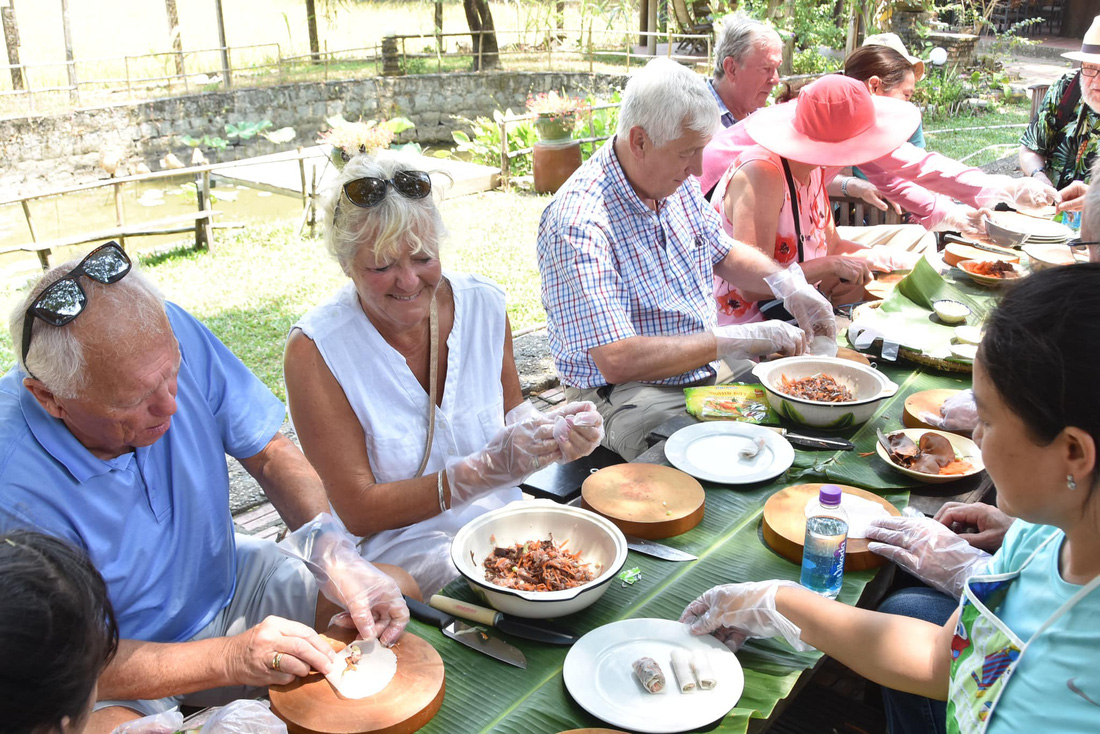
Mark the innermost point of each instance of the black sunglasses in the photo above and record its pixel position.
(369, 191)
(65, 299)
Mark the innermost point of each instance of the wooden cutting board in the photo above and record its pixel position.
(311, 705)
(785, 525)
(646, 500)
(925, 401)
(852, 355)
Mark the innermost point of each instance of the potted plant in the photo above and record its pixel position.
(349, 139)
(556, 115)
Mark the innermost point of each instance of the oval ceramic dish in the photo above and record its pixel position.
(867, 384)
(964, 449)
(599, 542)
(967, 266)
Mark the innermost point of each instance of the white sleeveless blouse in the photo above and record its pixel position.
(392, 408)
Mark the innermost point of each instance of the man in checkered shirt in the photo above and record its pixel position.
(628, 251)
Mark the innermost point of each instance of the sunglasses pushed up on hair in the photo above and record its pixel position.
(65, 299)
(369, 191)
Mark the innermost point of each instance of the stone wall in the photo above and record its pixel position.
(45, 152)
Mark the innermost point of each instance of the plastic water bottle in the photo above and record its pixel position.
(826, 540)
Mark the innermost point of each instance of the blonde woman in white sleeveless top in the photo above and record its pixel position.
(359, 379)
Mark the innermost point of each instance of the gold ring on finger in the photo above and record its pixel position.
(276, 661)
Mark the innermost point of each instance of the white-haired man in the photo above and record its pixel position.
(746, 67)
(628, 251)
(115, 427)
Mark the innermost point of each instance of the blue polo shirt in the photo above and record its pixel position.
(156, 521)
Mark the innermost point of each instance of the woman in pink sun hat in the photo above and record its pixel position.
(773, 196)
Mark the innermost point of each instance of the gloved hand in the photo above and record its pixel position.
(736, 612)
(890, 259)
(928, 550)
(967, 221)
(739, 341)
(983, 526)
(372, 599)
(957, 413)
(578, 429)
(810, 309)
(522, 447)
(1022, 194)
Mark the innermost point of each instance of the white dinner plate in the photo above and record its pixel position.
(599, 675)
(709, 451)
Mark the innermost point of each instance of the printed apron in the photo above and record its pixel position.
(984, 651)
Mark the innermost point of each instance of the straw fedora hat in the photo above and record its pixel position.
(891, 40)
(834, 122)
(1090, 45)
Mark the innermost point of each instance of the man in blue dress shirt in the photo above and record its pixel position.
(113, 433)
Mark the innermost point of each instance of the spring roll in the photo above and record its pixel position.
(649, 674)
(681, 668)
(700, 665)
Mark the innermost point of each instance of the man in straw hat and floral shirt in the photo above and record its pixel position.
(1060, 144)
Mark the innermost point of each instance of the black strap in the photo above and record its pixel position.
(794, 207)
(1069, 100)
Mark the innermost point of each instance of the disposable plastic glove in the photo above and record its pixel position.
(522, 447)
(928, 550)
(736, 612)
(1022, 194)
(967, 221)
(740, 341)
(810, 309)
(957, 413)
(578, 429)
(890, 259)
(372, 599)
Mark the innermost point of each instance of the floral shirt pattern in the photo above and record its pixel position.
(1070, 143)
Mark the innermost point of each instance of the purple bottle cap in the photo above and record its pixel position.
(830, 494)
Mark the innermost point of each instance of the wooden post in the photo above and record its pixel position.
(70, 63)
(302, 177)
(591, 58)
(203, 230)
(120, 214)
(313, 203)
(439, 28)
(11, 37)
(505, 161)
(643, 21)
(174, 34)
(226, 81)
(651, 24)
(129, 90)
(43, 255)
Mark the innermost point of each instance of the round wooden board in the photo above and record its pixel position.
(925, 401)
(852, 356)
(785, 525)
(646, 500)
(311, 705)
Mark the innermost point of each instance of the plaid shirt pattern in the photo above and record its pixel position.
(612, 268)
(726, 116)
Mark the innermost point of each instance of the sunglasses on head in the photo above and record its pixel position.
(65, 299)
(369, 191)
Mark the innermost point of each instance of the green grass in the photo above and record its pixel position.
(961, 144)
(255, 284)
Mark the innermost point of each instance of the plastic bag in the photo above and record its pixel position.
(736, 402)
(243, 717)
(167, 722)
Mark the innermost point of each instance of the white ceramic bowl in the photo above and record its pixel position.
(597, 539)
(964, 449)
(867, 384)
(951, 312)
(1042, 257)
(1002, 235)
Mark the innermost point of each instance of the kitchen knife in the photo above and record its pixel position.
(815, 443)
(648, 547)
(466, 634)
(539, 631)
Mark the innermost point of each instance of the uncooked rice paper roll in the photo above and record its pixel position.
(681, 668)
(700, 665)
(649, 674)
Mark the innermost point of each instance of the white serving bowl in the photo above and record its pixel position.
(867, 384)
(599, 542)
(1002, 235)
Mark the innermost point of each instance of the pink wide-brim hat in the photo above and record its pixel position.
(834, 122)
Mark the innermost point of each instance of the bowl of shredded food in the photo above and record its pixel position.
(824, 392)
(539, 559)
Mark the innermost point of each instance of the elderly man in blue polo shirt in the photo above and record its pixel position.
(114, 430)
(628, 251)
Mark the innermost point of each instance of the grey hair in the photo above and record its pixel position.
(56, 356)
(664, 98)
(384, 228)
(740, 33)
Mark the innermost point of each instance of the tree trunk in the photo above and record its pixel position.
(11, 37)
(314, 39)
(70, 63)
(174, 34)
(485, 46)
(220, 19)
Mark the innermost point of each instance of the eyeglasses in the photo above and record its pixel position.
(65, 299)
(369, 191)
(1089, 71)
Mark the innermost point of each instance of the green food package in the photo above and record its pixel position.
(739, 401)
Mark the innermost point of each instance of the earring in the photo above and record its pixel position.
(1071, 482)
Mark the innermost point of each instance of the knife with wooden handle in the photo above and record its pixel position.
(537, 630)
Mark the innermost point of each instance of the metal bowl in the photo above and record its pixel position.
(868, 386)
(599, 542)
